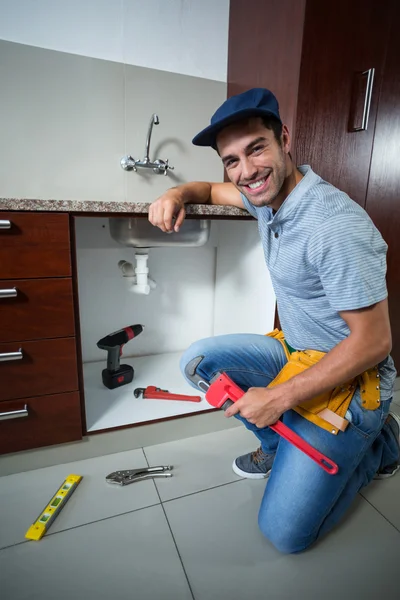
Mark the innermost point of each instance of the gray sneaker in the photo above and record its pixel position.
(393, 421)
(255, 465)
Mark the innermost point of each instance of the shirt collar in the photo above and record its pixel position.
(302, 188)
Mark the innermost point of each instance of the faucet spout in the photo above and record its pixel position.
(158, 166)
(153, 121)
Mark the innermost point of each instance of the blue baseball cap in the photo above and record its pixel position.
(257, 102)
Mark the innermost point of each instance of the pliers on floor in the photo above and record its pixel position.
(132, 475)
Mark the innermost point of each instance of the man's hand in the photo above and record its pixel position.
(260, 406)
(165, 209)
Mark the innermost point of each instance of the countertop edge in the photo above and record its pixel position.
(101, 208)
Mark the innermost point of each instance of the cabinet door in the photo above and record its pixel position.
(264, 50)
(32, 309)
(341, 41)
(383, 198)
(34, 245)
(46, 367)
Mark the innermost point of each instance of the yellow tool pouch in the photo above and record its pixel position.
(327, 410)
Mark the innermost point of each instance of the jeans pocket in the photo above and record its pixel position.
(366, 422)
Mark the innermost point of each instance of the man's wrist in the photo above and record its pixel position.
(288, 391)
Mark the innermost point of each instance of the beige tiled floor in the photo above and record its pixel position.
(194, 535)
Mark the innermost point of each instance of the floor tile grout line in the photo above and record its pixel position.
(84, 524)
(128, 511)
(214, 487)
(172, 535)
(379, 512)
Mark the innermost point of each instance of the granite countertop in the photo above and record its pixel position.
(94, 207)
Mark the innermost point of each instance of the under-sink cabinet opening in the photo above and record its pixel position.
(211, 280)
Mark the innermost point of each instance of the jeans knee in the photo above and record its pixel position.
(198, 348)
(280, 533)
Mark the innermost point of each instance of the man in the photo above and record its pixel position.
(332, 374)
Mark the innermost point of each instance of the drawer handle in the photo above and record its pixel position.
(14, 414)
(5, 356)
(11, 293)
(5, 224)
(362, 91)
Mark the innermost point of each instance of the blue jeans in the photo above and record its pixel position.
(301, 501)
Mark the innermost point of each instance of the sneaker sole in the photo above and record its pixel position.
(247, 475)
(396, 469)
(397, 419)
(387, 475)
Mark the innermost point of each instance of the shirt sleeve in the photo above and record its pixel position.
(349, 255)
(249, 207)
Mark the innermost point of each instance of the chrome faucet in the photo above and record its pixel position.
(153, 121)
(159, 166)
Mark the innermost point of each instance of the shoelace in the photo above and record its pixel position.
(258, 456)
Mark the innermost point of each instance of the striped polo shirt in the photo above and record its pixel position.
(324, 255)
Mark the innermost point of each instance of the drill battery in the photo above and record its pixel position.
(116, 374)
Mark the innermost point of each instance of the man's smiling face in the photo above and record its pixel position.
(255, 162)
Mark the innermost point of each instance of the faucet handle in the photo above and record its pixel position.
(167, 166)
(128, 163)
(162, 166)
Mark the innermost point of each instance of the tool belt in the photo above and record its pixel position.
(327, 410)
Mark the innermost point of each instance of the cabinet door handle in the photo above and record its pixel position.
(14, 414)
(361, 102)
(5, 356)
(10, 293)
(5, 224)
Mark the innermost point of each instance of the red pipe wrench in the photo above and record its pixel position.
(154, 393)
(222, 392)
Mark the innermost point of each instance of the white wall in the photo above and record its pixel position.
(244, 296)
(189, 37)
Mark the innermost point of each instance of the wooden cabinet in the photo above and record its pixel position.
(39, 392)
(36, 308)
(39, 421)
(45, 367)
(383, 196)
(344, 43)
(264, 50)
(34, 245)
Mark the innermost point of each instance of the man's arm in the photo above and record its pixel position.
(368, 343)
(171, 205)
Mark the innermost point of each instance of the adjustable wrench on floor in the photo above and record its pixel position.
(222, 392)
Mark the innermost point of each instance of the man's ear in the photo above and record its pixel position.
(286, 140)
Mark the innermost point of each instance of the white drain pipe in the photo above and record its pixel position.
(138, 277)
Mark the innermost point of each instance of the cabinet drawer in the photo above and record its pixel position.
(41, 308)
(46, 420)
(34, 245)
(46, 367)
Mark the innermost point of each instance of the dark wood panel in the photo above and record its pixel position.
(37, 245)
(75, 284)
(43, 308)
(47, 367)
(264, 50)
(341, 39)
(51, 420)
(383, 199)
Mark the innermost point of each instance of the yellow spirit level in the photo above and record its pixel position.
(54, 507)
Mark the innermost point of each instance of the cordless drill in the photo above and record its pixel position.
(116, 375)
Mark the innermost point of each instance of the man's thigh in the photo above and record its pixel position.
(251, 360)
(300, 496)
